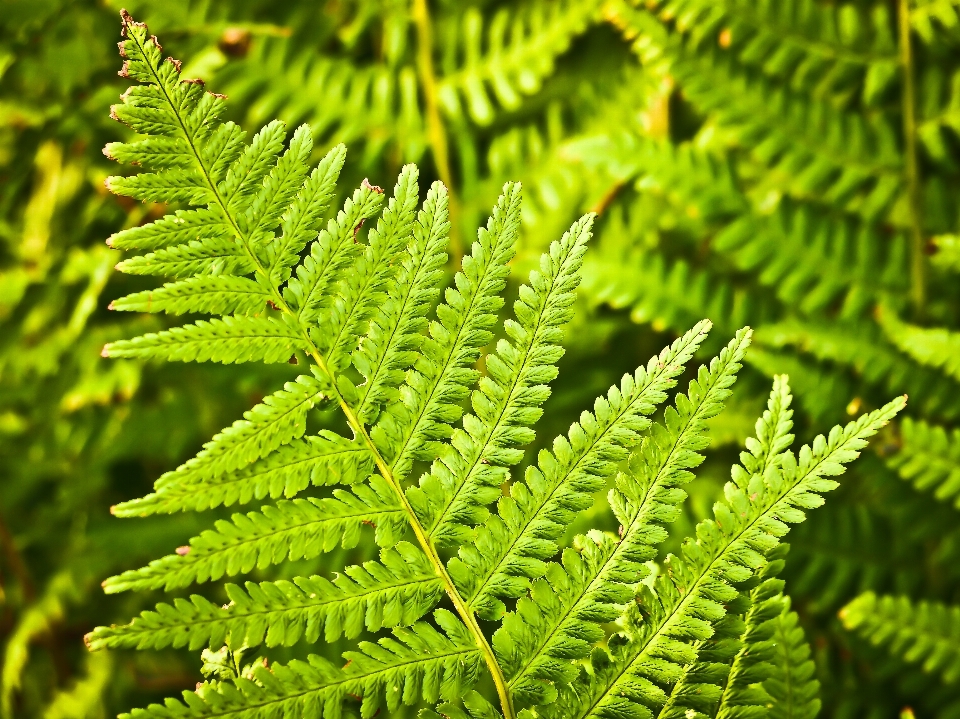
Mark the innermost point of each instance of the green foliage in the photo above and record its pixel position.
(333, 314)
(789, 166)
(925, 632)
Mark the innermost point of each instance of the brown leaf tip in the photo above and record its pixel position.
(373, 188)
(219, 96)
(105, 352)
(111, 307)
(184, 550)
(194, 81)
(176, 64)
(125, 70)
(110, 240)
(126, 20)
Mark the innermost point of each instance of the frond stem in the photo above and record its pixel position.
(436, 131)
(918, 279)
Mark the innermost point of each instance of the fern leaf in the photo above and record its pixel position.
(295, 529)
(280, 418)
(792, 687)
(930, 458)
(319, 460)
(516, 61)
(689, 600)
(469, 476)
(227, 340)
(222, 295)
(362, 290)
(644, 499)
(439, 381)
(420, 663)
(398, 590)
(177, 228)
(932, 347)
(395, 330)
(215, 255)
(515, 543)
(329, 255)
(927, 633)
(302, 220)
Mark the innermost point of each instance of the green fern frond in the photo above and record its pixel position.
(295, 529)
(689, 599)
(830, 50)
(396, 591)
(932, 347)
(322, 459)
(807, 146)
(519, 52)
(792, 685)
(929, 458)
(811, 261)
(420, 664)
(926, 632)
(468, 477)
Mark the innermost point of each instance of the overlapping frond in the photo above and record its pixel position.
(397, 590)
(660, 633)
(294, 529)
(513, 546)
(419, 664)
(792, 684)
(933, 347)
(828, 50)
(930, 458)
(469, 474)
(927, 633)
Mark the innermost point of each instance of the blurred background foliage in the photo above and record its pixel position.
(791, 164)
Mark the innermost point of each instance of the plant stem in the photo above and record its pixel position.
(436, 131)
(918, 271)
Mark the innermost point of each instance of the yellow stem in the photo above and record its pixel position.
(918, 271)
(436, 130)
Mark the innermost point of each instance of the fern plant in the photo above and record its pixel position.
(489, 610)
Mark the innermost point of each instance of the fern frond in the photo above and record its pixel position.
(295, 529)
(644, 499)
(811, 261)
(519, 52)
(807, 146)
(469, 474)
(932, 347)
(362, 290)
(925, 632)
(662, 629)
(228, 339)
(513, 545)
(930, 459)
(438, 382)
(829, 50)
(323, 459)
(390, 345)
(398, 590)
(421, 663)
(279, 419)
(792, 685)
